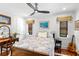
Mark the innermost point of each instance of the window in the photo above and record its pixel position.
(63, 28)
(30, 29)
(30, 26)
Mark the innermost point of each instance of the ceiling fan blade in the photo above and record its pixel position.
(32, 13)
(30, 5)
(36, 6)
(43, 11)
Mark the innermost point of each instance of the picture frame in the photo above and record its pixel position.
(5, 19)
(44, 24)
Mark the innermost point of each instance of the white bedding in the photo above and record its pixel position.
(39, 44)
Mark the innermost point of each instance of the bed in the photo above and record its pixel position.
(40, 44)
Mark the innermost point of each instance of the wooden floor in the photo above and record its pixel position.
(66, 52)
(20, 52)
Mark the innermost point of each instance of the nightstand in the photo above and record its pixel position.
(58, 44)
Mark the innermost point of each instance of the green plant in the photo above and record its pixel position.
(14, 35)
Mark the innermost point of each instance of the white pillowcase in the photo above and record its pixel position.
(43, 34)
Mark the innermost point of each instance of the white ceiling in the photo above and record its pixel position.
(22, 9)
(57, 7)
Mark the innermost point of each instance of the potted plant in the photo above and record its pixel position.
(15, 36)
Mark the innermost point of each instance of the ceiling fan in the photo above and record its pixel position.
(35, 8)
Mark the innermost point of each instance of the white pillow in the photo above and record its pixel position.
(43, 34)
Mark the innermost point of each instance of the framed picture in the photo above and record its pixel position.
(44, 24)
(77, 25)
(5, 19)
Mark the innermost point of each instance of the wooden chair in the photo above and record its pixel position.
(7, 46)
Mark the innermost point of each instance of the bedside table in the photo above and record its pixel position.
(58, 44)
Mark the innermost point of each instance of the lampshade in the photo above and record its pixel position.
(64, 18)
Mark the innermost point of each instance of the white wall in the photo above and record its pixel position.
(77, 14)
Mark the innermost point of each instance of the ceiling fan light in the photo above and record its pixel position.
(64, 9)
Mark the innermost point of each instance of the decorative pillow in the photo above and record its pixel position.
(43, 34)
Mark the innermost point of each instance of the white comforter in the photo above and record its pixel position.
(42, 45)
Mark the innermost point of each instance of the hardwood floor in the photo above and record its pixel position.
(20, 52)
(66, 52)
